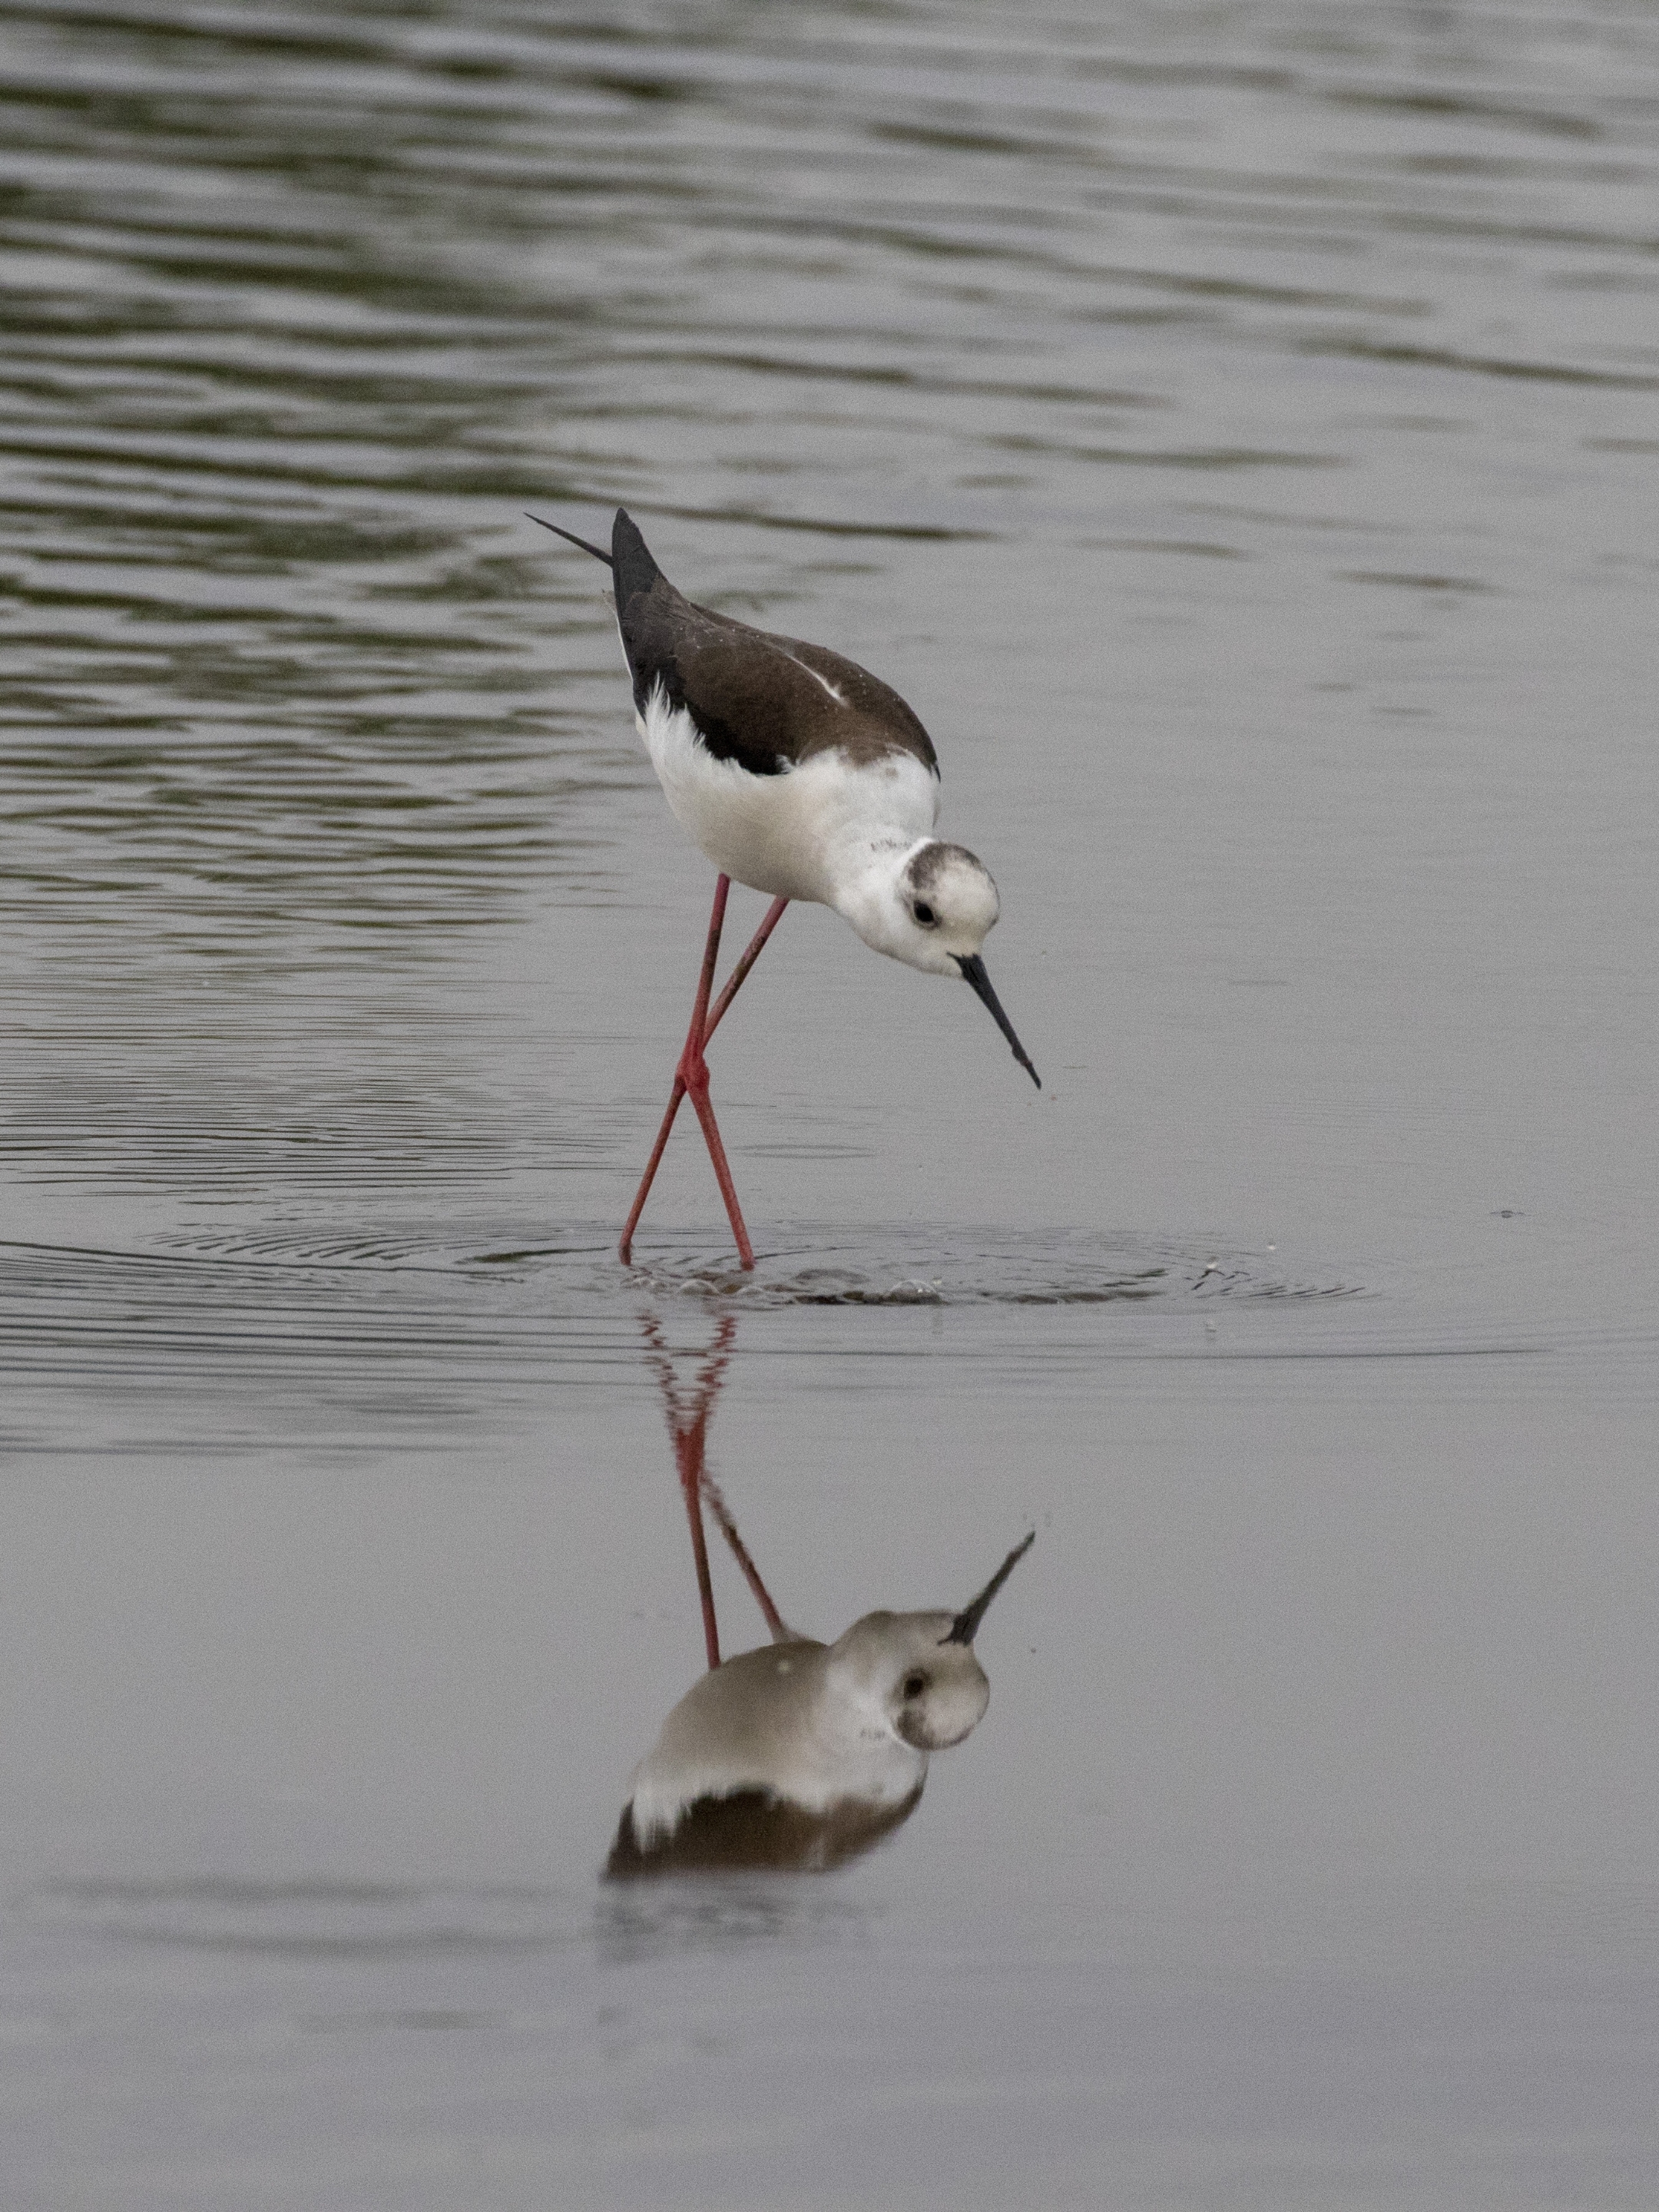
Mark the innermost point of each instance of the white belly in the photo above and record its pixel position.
(792, 836)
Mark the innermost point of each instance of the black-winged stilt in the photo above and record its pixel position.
(804, 776)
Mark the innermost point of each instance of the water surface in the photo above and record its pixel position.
(1234, 429)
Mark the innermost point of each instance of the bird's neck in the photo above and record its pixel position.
(854, 1740)
(867, 823)
(864, 887)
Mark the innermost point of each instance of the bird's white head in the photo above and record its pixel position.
(932, 907)
(908, 1679)
(935, 906)
(916, 1673)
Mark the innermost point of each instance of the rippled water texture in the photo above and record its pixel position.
(1236, 429)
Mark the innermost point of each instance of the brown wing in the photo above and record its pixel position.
(772, 702)
(767, 702)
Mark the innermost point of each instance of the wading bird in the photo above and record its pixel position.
(804, 776)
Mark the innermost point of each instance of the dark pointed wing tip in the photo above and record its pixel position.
(635, 564)
(570, 537)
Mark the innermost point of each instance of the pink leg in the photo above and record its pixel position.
(693, 1045)
(691, 1076)
(735, 981)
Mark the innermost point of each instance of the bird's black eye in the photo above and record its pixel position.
(914, 1685)
(924, 914)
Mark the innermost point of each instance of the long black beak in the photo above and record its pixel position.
(965, 1626)
(974, 970)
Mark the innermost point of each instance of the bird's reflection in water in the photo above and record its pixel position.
(799, 1755)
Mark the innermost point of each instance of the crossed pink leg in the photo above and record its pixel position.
(691, 1076)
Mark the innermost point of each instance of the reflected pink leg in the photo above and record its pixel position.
(781, 1633)
(691, 1487)
(688, 1428)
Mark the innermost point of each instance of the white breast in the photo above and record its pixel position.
(827, 1751)
(796, 835)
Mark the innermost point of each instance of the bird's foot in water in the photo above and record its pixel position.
(691, 1078)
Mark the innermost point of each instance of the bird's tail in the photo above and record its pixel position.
(570, 536)
(628, 559)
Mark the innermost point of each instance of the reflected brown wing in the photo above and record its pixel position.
(751, 1829)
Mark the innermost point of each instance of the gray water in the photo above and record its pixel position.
(1236, 429)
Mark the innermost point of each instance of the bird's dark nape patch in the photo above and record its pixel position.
(927, 865)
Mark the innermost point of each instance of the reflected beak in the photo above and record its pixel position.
(974, 970)
(965, 1626)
